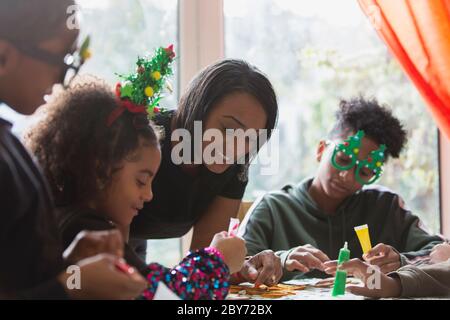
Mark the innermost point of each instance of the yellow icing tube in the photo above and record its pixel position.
(364, 238)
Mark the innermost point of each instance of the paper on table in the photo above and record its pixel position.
(233, 227)
(164, 293)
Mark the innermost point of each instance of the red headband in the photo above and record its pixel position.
(124, 105)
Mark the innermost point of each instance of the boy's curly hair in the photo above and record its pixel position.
(377, 121)
(76, 149)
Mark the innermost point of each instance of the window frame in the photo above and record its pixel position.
(201, 38)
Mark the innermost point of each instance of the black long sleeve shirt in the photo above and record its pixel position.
(30, 248)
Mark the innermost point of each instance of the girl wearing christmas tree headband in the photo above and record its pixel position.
(100, 154)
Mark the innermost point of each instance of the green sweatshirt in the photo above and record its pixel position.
(285, 219)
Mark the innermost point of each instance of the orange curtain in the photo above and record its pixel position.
(417, 33)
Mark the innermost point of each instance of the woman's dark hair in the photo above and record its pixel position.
(31, 22)
(76, 148)
(377, 121)
(219, 80)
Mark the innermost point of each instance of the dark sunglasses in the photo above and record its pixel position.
(69, 63)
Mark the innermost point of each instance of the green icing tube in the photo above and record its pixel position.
(341, 276)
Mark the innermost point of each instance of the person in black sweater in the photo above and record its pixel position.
(34, 40)
(228, 95)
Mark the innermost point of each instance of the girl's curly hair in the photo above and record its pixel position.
(76, 149)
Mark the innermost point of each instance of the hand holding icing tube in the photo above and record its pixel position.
(232, 249)
(364, 238)
(382, 255)
(341, 275)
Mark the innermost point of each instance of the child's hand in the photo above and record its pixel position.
(440, 253)
(376, 283)
(304, 258)
(383, 256)
(100, 279)
(233, 250)
(262, 268)
(90, 243)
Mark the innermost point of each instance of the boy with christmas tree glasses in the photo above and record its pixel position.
(307, 223)
(345, 157)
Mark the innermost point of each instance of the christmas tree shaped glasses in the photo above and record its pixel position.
(345, 157)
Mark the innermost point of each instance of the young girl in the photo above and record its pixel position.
(100, 155)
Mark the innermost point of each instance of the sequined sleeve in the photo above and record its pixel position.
(201, 275)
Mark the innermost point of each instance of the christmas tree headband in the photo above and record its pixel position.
(345, 157)
(141, 91)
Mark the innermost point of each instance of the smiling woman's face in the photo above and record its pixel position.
(335, 183)
(235, 111)
(131, 186)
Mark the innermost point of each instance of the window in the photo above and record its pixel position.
(316, 52)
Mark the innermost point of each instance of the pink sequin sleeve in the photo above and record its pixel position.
(202, 274)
